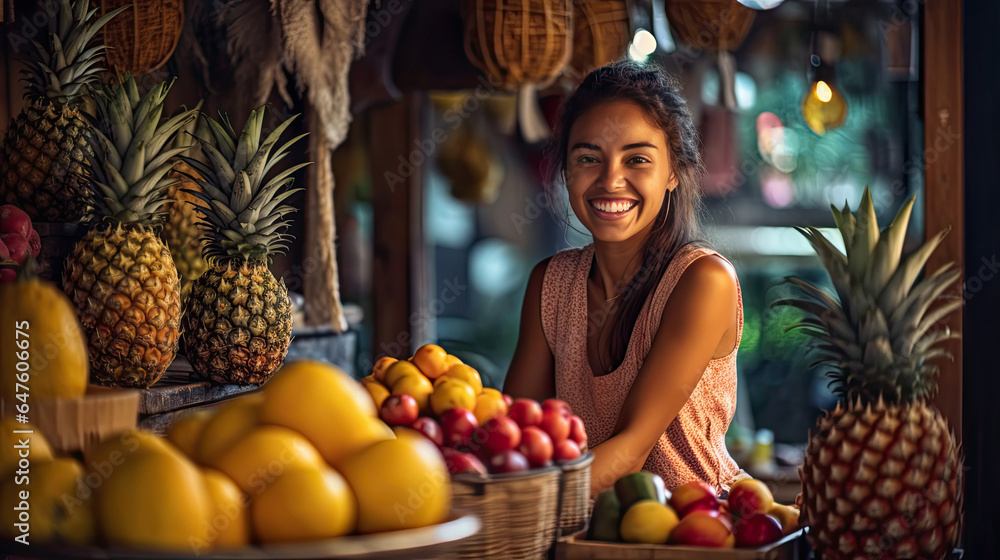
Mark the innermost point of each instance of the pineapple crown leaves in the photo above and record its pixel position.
(130, 160)
(878, 334)
(65, 67)
(241, 204)
(187, 135)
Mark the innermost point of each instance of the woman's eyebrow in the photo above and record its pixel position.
(639, 145)
(596, 148)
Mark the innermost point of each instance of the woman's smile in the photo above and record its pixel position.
(606, 208)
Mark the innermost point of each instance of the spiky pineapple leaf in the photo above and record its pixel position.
(888, 251)
(865, 239)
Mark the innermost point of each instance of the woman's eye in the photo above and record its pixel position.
(638, 159)
(586, 159)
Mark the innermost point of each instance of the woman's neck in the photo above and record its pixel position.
(617, 263)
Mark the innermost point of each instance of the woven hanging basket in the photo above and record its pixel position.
(713, 25)
(143, 38)
(600, 35)
(518, 42)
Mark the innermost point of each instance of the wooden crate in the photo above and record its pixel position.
(576, 547)
(179, 392)
(72, 424)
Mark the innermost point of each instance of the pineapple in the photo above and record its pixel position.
(180, 229)
(120, 275)
(43, 164)
(237, 317)
(882, 476)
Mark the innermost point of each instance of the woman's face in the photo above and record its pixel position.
(617, 170)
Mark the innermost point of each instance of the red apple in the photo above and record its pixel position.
(7, 275)
(702, 529)
(556, 424)
(712, 511)
(4, 252)
(508, 462)
(690, 494)
(509, 400)
(749, 496)
(399, 410)
(556, 404)
(431, 429)
(458, 425)
(35, 242)
(525, 412)
(458, 462)
(577, 432)
(14, 220)
(536, 445)
(757, 530)
(17, 245)
(707, 507)
(498, 435)
(567, 450)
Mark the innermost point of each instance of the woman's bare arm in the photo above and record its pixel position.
(532, 370)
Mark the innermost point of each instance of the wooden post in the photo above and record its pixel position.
(397, 166)
(944, 174)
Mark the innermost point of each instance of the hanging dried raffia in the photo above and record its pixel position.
(600, 35)
(320, 40)
(518, 42)
(713, 25)
(142, 38)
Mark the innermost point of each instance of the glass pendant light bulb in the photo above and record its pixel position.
(824, 109)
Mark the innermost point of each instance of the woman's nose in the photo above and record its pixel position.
(613, 177)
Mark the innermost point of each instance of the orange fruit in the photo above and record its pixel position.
(229, 523)
(398, 370)
(418, 387)
(108, 455)
(361, 435)
(369, 379)
(400, 484)
(451, 360)
(59, 505)
(324, 404)
(453, 393)
(263, 454)
(304, 505)
(489, 404)
(232, 420)
(431, 359)
(465, 373)
(38, 448)
(154, 501)
(381, 365)
(378, 392)
(186, 431)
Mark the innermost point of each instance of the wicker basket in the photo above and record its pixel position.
(574, 495)
(142, 38)
(518, 42)
(519, 513)
(714, 25)
(600, 35)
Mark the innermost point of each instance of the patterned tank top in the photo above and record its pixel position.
(693, 445)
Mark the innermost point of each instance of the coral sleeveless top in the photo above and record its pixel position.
(693, 445)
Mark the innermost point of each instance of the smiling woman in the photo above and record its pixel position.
(637, 331)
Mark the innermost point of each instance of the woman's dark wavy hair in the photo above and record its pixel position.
(677, 224)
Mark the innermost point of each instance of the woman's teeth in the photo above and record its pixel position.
(612, 207)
